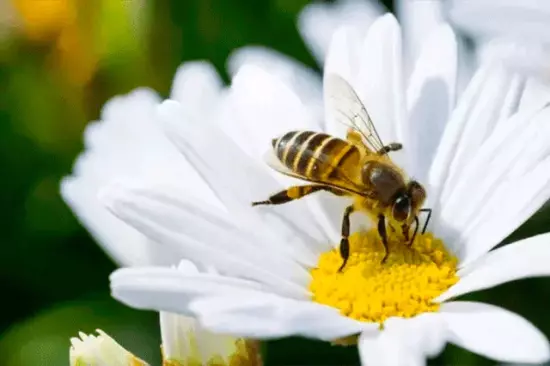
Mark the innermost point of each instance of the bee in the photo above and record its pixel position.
(358, 167)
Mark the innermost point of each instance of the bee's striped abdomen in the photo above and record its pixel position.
(313, 155)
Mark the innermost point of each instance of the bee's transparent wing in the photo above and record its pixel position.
(349, 110)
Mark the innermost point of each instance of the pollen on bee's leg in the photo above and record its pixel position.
(370, 289)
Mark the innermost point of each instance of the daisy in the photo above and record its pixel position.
(127, 121)
(184, 343)
(485, 164)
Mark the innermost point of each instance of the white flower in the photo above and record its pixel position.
(485, 163)
(100, 350)
(127, 142)
(519, 31)
(184, 343)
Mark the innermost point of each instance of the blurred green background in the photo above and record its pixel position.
(58, 64)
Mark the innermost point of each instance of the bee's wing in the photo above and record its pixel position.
(350, 111)
(271, 159)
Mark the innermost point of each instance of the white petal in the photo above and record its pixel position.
(526, 20)
(238, 180)
(198, 86)
(343, 60)
(468, 63)
(127, 246)
(406, 342)
(483, 118)
(115, 148)
(505, 184)
(379, 81)
(168, 289)
(206, 237)
(486, 173)
(317, 22)
(531, 193)
(430, 99)
(425, 333)
(304, 81)
(184, 342)
(471, 123)
(528, 58)
(494, 332)
(418, 20)
(100, 350)
(177, 335)
(535, 95)
(262, 108)
(374, 70)
(523, 259)
(264, 316)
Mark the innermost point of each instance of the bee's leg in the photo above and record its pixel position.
(429, 211)
(383, 235)
(291, 194)
(394, 146)
(344, 242)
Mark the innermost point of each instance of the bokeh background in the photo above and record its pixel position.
(60, 60)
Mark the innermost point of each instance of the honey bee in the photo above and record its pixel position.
(358, 167)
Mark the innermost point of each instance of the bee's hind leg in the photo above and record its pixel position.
(344, 242)
(291, 194)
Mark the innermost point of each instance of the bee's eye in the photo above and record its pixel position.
(401, 208)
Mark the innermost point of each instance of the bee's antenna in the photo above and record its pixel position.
(429, 211)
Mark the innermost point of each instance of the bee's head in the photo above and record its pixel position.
(407, 202)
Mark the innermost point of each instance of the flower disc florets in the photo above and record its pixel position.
(369, 290)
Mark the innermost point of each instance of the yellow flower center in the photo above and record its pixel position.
(369, 290)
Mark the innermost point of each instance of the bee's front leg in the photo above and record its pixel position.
(405, 229)
(344, 242)
(383, 236)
